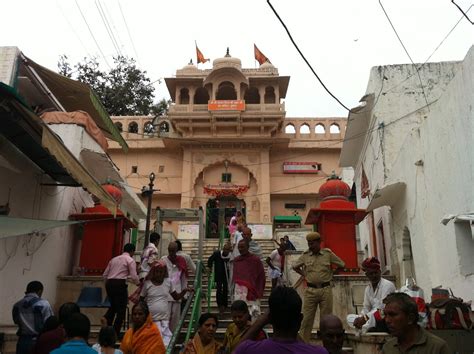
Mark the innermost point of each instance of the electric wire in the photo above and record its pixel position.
(106, 25)
(405, 49)
(110, 17)
(433, 52)
(463, 13)
(128, 31)
(73, 29)
(304, 58)
(92, 35)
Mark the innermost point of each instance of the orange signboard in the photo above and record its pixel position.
(226, 105)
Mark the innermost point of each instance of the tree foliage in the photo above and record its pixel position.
(124, 89)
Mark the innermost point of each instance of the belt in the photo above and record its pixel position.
(320, 285)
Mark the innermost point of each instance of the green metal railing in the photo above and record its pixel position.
(211, 279)
(196, 310)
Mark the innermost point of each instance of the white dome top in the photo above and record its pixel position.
(190, 66)
(227, 61)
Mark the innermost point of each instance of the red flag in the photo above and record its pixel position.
(200, 56)
(259, 56)
(364, 185)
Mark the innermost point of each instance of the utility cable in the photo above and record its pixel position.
(92, 35)
(128, 31)
(463, 13)
(304, 58)
(406, 51)
(73, 29)
(106, 25)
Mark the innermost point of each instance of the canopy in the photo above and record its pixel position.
(10, 226)
(387, 195)
(74, 96)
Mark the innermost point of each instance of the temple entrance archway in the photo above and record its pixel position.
(219, 211)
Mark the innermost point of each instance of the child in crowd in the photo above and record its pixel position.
(107, 339)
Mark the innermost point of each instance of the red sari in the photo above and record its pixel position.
(249, 272)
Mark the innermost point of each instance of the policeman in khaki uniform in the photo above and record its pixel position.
(315, 265)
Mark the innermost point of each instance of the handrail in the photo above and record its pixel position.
(197, 290)
(211, 278)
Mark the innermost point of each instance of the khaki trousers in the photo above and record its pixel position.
(312, 298)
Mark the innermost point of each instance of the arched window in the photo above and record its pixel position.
(201, 96)
(304, 129)
(133, 127)
(226, 91)
(164, 127)
(184, 96)
(119, 126)
(334, 129)
(290, 129)
(148, 128)
(269, 95)
(252, 96)
(320, 129)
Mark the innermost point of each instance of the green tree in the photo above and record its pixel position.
(124, 89)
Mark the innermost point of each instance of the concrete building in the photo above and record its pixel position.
(410, 145)
(42, 169)
(227, 145)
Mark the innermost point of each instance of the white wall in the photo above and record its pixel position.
(27, 258)
(442, 138)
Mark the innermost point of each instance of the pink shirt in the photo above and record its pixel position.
(122, 267)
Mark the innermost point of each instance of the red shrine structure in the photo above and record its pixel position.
(102, 238)
(336, 219)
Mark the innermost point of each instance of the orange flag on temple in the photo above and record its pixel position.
(259, 56)
(200, 56)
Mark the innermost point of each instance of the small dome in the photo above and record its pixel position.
(334, 188)
(266, 65)
(227, 61)
(114, 191)
(190, 66)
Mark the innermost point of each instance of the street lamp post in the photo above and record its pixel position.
(148, 192)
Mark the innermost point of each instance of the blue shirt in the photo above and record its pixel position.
(74, 347)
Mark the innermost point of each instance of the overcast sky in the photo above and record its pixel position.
(342, 39)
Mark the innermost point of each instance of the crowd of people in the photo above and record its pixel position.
(162, 284)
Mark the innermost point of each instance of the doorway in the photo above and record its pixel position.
(219, 211)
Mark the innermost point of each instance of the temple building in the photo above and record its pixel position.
(226, 145)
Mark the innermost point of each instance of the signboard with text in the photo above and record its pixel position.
(226, 105)
(301, 167)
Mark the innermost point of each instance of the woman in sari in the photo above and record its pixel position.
(144, 337)
(203, 341)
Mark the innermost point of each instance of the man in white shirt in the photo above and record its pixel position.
(276, 262)
(149, 255)
(375, 292)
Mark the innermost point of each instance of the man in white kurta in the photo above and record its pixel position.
(375, 292)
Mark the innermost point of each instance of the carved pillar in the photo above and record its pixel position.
(264, 187)
(261, 91)
(277, 94)
(187, 183)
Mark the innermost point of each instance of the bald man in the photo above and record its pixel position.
(331, 333)
(177, 272)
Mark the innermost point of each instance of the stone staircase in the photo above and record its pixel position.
(210, 245)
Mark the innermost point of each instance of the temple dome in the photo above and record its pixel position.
(227, 61)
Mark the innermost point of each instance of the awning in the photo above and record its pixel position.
(460, 218)
(287, 218)
(387, 195)
(10, 226)
(56, 148)
(75, 96)
(100, 165)
(356, 132)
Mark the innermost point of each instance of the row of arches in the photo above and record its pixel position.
(226, 91)
(319, 128)
(148, 127)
